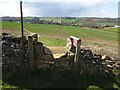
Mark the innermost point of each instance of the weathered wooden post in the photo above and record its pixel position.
(36, 37)
(21, 18)
(31, 53)
(77, 55)
(22, 32)
(76, 42)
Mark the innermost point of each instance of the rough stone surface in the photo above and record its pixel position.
(15, 57)
(96, 62)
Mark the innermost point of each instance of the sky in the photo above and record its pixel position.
(61, 8)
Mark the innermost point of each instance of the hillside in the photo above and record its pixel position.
(103, 41)
(91, 22)
(64, 31)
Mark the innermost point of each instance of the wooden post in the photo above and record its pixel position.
(77, 56)
(22, 32)
(76, 42)
(31, 53)
(36, 37)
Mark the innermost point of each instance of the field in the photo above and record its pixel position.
(112, 29)
(100, 41)
(56, 35)
(62, 32)
(57, 19)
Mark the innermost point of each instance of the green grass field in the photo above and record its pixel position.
(60, 33)
(112, 30)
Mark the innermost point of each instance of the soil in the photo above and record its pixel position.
(112, 52)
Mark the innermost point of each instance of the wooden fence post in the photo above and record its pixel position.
(31, 53)
(76, 42)
(77, 56)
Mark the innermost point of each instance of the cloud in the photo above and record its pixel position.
(69, 9)
(98, 8)
(9, 9)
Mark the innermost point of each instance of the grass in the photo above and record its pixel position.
(4, 85)
(55, 35)
(67, 20)
(57, 19)
(94, 88)
(53, 42)
(0, 25)
(112, 30)
(63, 31)
(8, 86)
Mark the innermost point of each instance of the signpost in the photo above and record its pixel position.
(76, 42)
(31, 53)
(22, 33)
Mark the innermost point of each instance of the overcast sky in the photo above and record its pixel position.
(56, 8)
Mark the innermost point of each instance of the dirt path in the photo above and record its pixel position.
(57, 49)
(112, 52)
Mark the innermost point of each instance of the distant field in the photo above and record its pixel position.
(0, 24)
(59, 33)
(112, 29)
(57, 19)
